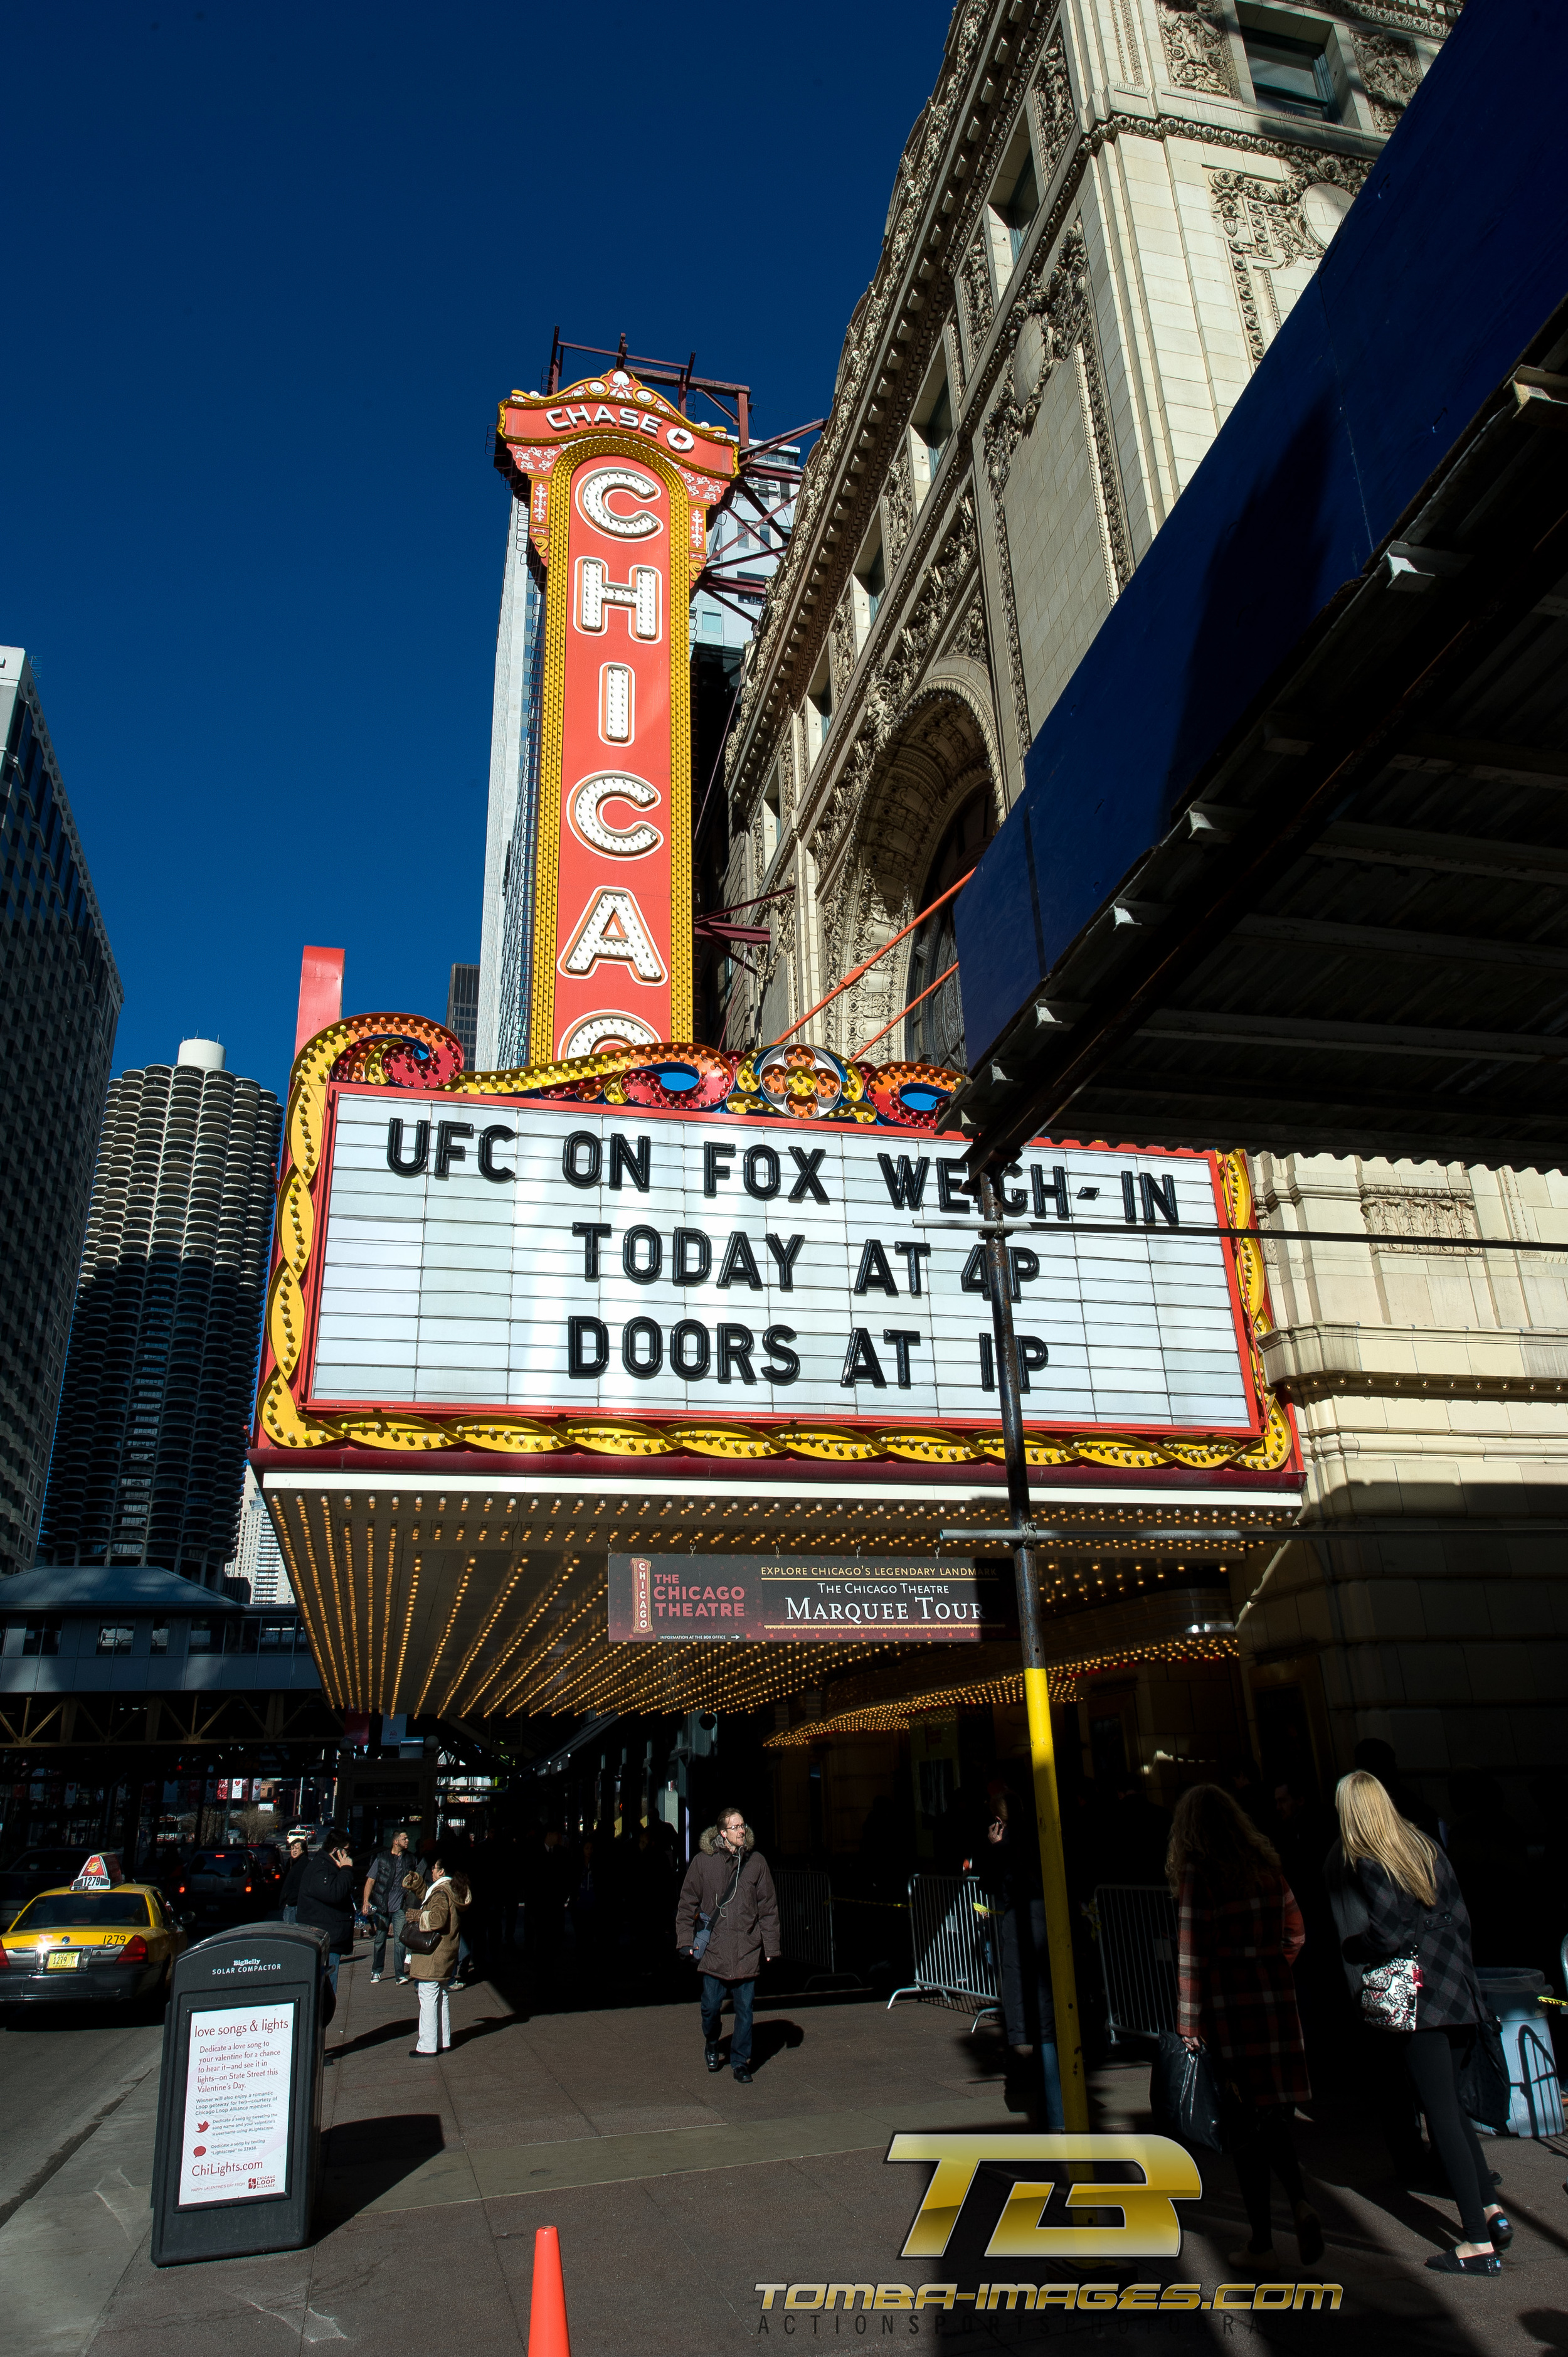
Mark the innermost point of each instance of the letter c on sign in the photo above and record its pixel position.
(593, 494)
(591, 827)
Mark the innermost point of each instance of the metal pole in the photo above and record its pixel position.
(1036, 1693)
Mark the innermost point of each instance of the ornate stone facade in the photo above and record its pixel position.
(1063, 346)
(1089, 354)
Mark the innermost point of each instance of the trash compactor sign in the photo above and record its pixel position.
(238, 2076)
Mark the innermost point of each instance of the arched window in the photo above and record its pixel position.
(933, 1034)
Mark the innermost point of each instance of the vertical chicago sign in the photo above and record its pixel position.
(620, 487)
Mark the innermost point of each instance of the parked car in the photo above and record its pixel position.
(32, 1870)
(89, 1945)
(219, 1887)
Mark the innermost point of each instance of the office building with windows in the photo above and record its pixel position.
(463, 1009)
(149, 1456)
(60, 1003)
(505, 930)
(255, 1574)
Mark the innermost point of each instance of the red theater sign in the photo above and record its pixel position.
(619, 487)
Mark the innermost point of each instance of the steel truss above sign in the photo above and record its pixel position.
(642, 1253)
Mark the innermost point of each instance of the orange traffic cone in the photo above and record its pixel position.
(547, 2333)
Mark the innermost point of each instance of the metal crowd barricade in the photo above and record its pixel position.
(1137, 1933)
(952, 1936)
(1539, 2086)
(806, 1918)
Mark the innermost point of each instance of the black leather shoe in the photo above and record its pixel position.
(743, 2076)
(1449, 2263)
(1500, 2232)
(715, 2061)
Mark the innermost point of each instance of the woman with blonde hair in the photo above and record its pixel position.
(1239, 1932)
(1416, 1914)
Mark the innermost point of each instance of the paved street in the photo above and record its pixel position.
(675, 2194)
(61, 2067)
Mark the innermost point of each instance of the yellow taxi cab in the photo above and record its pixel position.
(99, 1937)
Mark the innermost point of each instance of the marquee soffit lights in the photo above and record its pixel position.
(560, 1657)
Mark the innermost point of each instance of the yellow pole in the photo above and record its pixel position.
(1037, 1694)
(1059, 1907)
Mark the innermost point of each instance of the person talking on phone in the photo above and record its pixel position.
(726, 1920)
(327, 1900)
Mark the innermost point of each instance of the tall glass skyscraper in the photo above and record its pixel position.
(254, 1573)
(149, 1456)
(60, 1003)
(506, 929)
(463, 1009)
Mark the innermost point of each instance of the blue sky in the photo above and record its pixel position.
(269, 272)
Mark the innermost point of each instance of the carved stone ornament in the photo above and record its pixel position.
(1125, 25)
(1266, 228)
(970, 640)
(898, 503)
(1196, 46)
(1055, 312)
(976, 276)
(1409, 1213)
(1391, 75)
(895, 676)
(1056, 117)
(1435, 18)
(841, 645)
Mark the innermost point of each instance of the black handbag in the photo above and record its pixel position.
(1484, 2088)
(1184, 2094)
(708, 1924)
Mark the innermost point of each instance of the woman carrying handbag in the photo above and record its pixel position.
(1420, 1986)
(432, 1941)
(1239, 1931)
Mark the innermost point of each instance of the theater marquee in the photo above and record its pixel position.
(740, 1257)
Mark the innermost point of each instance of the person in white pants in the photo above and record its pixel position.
(434, 1973)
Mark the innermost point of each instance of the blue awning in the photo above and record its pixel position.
(1382, 385)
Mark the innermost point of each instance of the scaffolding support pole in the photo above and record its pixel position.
(1037, 1690)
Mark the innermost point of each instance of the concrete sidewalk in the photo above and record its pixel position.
(676, 2193)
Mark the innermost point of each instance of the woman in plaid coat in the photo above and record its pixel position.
(1239, 1931)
